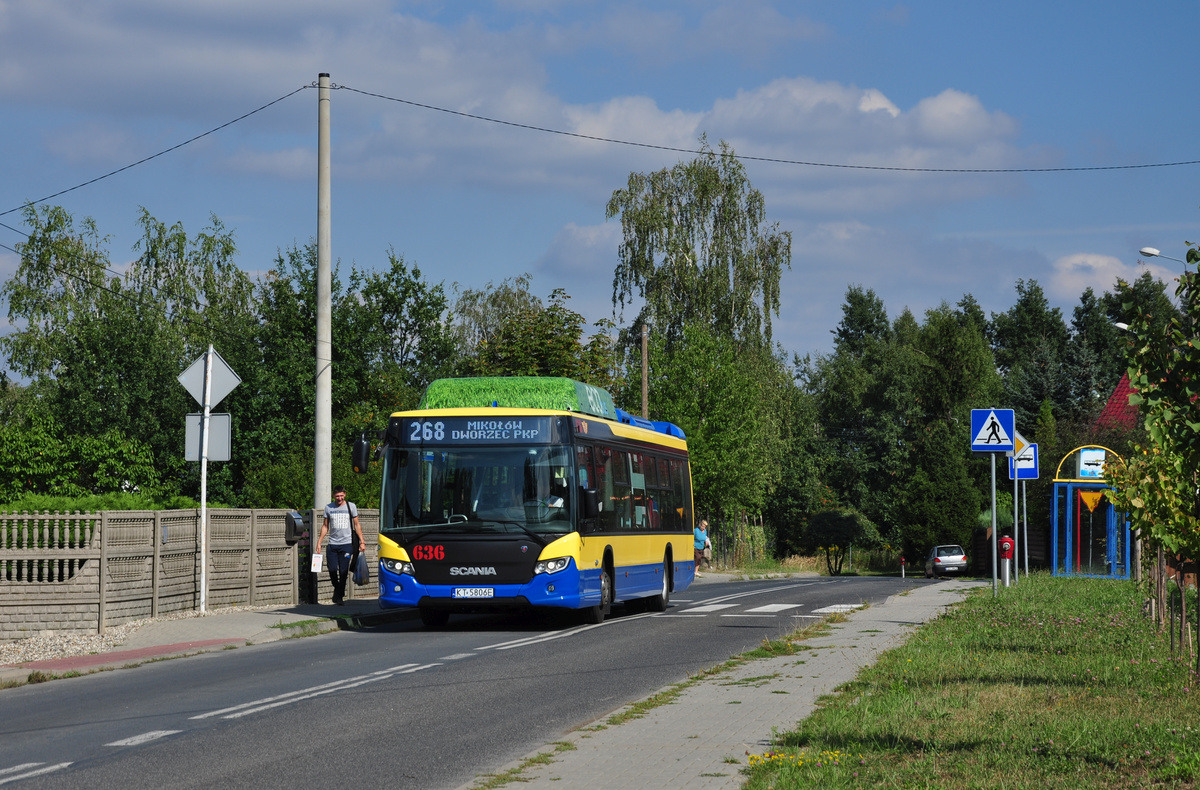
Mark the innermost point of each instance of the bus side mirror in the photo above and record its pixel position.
(589, 502)
(360, 455)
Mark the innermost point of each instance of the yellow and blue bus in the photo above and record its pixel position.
(510, 493)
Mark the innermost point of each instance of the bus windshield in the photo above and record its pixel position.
(476, 490)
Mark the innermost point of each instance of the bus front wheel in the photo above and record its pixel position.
(596, 614)
(659, 603)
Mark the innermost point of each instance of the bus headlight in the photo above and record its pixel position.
(551, 566)
(398, 566)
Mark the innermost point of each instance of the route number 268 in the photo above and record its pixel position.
(427, 431)
(428, 552)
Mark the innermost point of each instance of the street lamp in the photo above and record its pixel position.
(1150, 252)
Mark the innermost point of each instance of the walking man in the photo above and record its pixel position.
(345, 540)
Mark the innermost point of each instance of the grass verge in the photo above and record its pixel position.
(1057, 683)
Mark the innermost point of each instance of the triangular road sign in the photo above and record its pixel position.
(992, 433)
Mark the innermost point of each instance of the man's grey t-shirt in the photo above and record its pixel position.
(341, 518)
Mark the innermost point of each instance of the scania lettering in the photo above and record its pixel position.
(472, 571)
(542, 487)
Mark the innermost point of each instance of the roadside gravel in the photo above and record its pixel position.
(68, 645)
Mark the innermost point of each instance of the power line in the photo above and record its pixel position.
(155, 156)
(768, 159)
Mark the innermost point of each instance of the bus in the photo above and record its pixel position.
(529, 493)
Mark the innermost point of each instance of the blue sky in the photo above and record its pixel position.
(90, 87)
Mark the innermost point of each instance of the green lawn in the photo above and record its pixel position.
(1058, 683)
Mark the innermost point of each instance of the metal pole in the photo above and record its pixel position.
(323, 417)
(995, 552)
(1016, 529)
(208, 358)
(645, 372)
(1025, 518)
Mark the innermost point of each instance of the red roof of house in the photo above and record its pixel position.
(1117, 412)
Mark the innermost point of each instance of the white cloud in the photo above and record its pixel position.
(581, 259)
(1071, 274)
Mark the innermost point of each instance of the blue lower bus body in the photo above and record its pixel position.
(569, 588)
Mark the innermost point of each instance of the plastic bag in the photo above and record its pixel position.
(362, 573)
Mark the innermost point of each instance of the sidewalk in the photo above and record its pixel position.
(217, 630)
(701, 740)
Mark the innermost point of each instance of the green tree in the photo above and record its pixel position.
(696, 248)
(728, 399)
(102, 349)
(478, 314)
(549, 341)
(833, 532)
(1160, 484)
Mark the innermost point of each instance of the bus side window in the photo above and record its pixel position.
(678, 494)
(586, 480)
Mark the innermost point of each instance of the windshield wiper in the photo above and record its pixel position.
(429, 529)
(538, 538)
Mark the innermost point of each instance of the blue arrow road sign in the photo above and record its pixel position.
(992, 430)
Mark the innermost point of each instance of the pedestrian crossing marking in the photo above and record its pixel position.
(775, 607)
(712, 607)
(839, 608)
(992, 432)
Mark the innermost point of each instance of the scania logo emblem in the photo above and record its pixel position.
(524, 549)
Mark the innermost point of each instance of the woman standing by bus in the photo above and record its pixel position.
(701, 543)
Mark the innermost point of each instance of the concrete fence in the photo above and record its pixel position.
(83, 572)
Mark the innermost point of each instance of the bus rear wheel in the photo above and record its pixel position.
(596, 614)
(660, 602)
(434, 618)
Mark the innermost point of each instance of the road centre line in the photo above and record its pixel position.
(5, 779)
(145, 737)
(365, 679)
(550, 636)
(336, 683)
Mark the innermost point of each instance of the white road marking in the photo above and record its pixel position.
(334, 686)
(746, 614)
(457, 656)
(775, 607)
(839, 607)
(550, 636)
(712, 607)
(5, 778)
(145, 737)
(362, 680)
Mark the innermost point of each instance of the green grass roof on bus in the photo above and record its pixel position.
(519, 392)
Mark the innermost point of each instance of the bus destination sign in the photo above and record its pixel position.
(480, 430)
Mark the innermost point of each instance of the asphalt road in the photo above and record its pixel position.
(395, 706)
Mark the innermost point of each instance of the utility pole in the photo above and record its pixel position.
(645, 372)
(323, 417)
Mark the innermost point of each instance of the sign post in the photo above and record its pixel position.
(208, 380)
(993, 431)
(1023, 466)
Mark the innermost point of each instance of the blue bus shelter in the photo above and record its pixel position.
(1090, 537)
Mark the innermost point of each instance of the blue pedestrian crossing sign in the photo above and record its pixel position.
(993, 430)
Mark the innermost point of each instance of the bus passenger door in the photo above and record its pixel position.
(587, 498)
